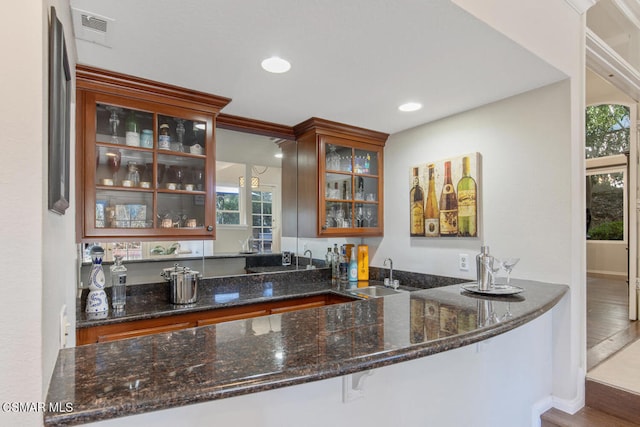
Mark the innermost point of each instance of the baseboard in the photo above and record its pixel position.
(570, 406)
(539, 408)
(605, 274)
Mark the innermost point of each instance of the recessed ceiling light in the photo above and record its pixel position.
(278, 155)
(276, 65)
(410, 106)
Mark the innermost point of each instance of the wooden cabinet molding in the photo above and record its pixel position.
(139, 328)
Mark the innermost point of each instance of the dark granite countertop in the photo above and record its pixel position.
(152, 300)
(194, 365)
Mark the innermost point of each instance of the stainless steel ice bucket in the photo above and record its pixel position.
(183, 284)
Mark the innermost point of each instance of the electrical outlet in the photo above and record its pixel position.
(64, 326)
(463, 262)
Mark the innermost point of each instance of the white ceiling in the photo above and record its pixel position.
(352, 61)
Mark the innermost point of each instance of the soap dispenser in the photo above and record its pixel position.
(97, 305)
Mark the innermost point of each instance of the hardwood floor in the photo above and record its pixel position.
(608, 331)
(608, 326)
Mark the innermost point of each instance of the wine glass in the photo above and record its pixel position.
(198, 177)
(114, 160)
(359, 217)
(368, 216)
(507, 265)
(340, 217)
(114, 121)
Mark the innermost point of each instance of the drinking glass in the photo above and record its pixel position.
(113, 160)
(507, 265)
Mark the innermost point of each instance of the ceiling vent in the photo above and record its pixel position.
(92, 27)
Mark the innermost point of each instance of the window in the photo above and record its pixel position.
(605, 205)
(607, 130)
(262, 219)
(607, 141)
(227, 205)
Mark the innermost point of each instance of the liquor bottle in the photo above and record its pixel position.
(467, 210)
(431, 212)
(335, 264)
(328, 258)
(344, 265)
(118, 284)
(132, 130)
(353, 266)
(416, 198)
(448, 205)
(363, 262)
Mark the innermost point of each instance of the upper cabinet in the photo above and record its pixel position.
(145, 158)
(340, 180)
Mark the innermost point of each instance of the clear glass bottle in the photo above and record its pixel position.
(328, 258)
(335, 264)
(118, 284)
(333, 159)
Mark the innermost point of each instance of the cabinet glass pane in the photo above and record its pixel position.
(338, 215)
(338, 158)
(180, 210)
(338, 186)
(181, 135)
(122, 167)
(366, 215)
(124, 209)
(181, 173)
(366, 162)
(123, 126)
(366, 188)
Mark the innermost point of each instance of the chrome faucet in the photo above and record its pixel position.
(384, 264)
(310, 266)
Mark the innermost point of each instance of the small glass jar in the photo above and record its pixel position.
(133, 174)
(146, 140)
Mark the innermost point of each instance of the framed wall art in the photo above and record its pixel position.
(59, 117)
(444, 197)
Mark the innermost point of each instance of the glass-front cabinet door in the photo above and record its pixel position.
(148, 170)
(350, 177)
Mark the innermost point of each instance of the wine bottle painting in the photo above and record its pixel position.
(444, 197)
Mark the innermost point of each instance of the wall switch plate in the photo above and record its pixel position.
(463, 262)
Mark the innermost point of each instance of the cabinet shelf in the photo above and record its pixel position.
(338, 160)
(108, 103)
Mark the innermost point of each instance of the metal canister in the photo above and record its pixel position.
(484, 275)
(183, 284)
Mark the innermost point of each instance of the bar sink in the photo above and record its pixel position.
(374, 291)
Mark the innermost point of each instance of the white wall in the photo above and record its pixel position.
(553, 30)
(37, 250)
(22, 190)
(524, 198)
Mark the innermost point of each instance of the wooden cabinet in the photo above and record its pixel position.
(145, 158)
(340, 180)
(137, 328)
